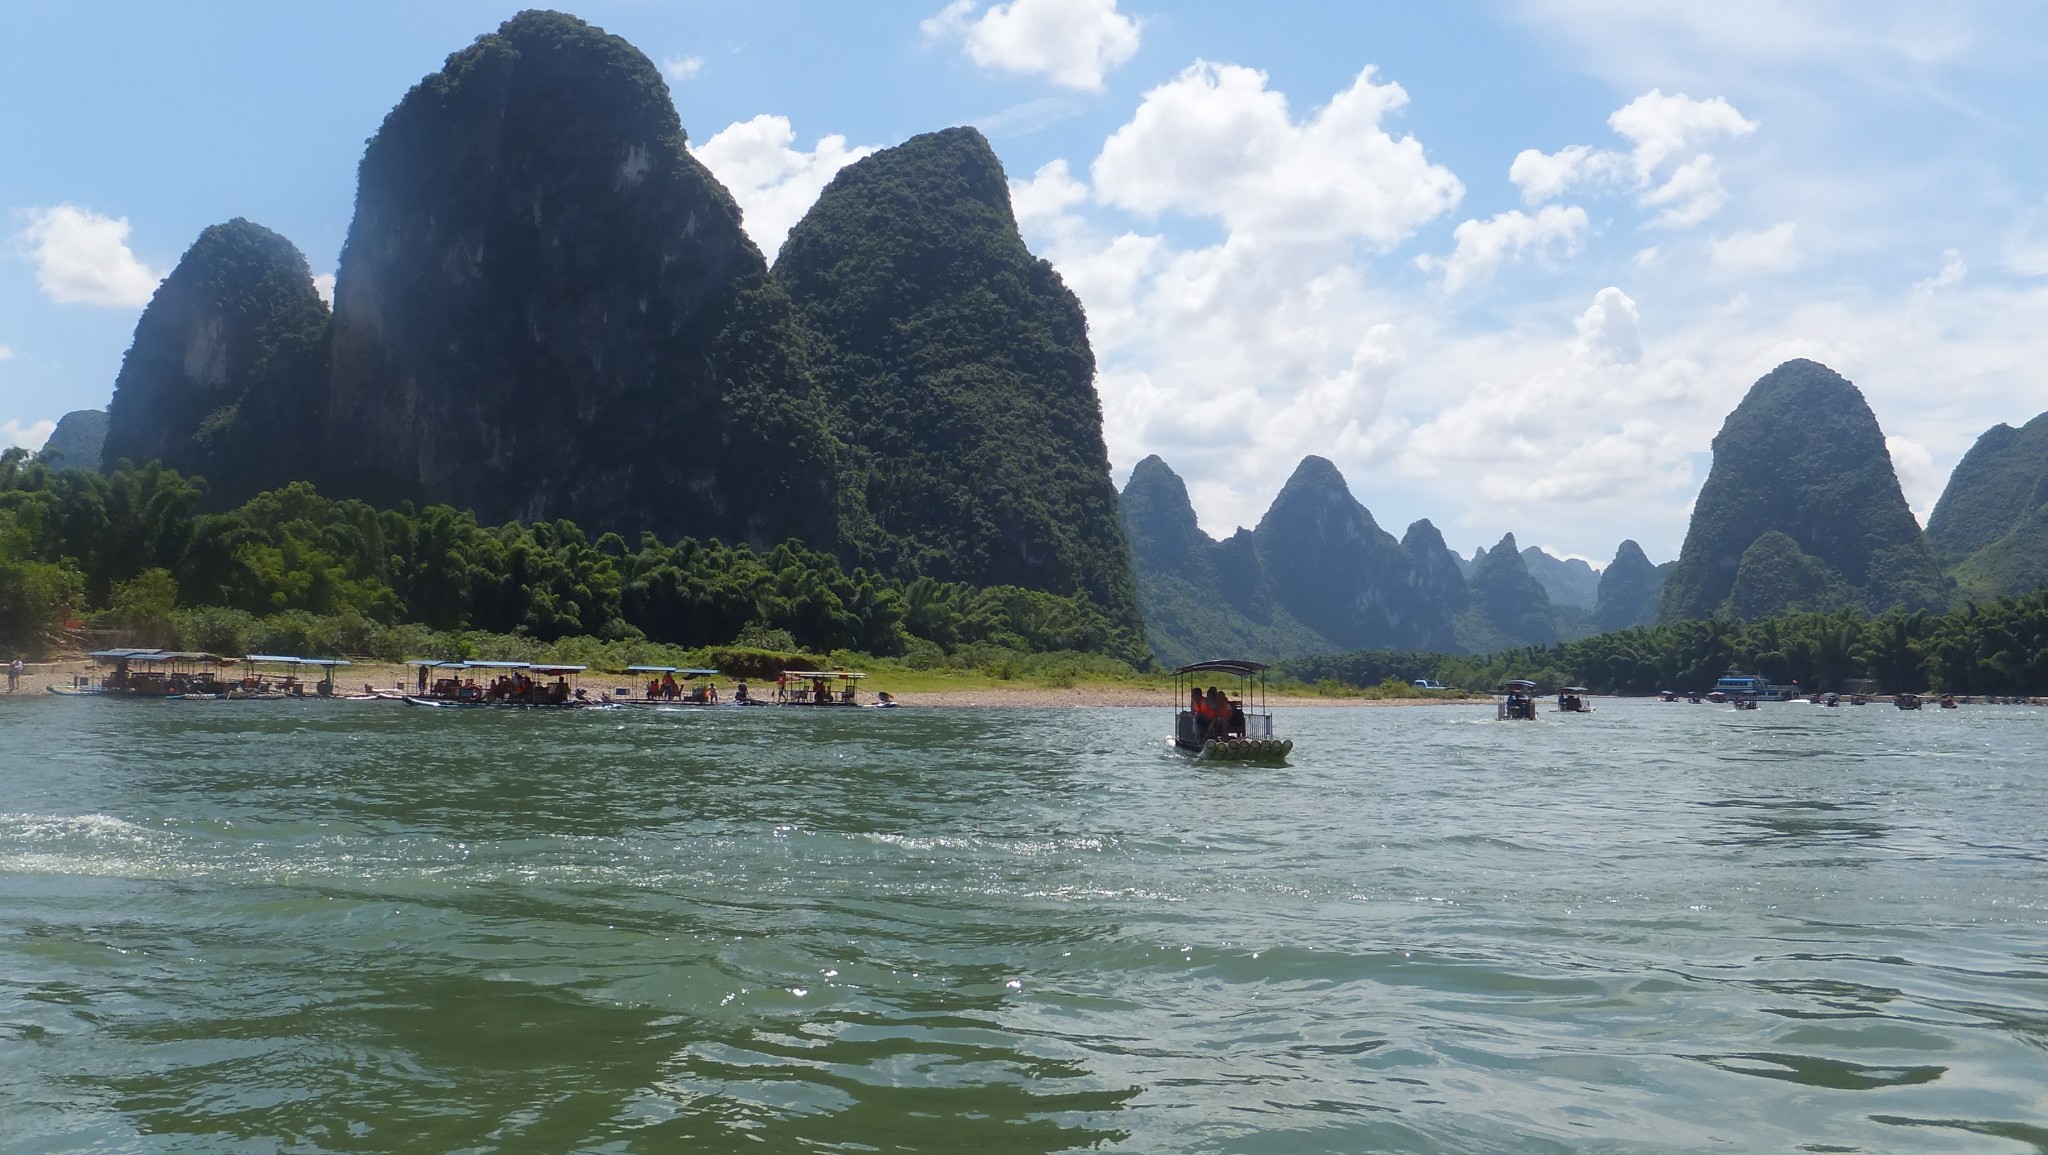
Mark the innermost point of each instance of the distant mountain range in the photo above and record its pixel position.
(1318, 574)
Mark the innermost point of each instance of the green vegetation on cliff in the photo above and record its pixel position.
(958, 369)
(1803, 456)
(1991, 525)
(2002, 479)
(223, 376)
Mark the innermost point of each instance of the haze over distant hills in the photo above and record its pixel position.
(1319, 574)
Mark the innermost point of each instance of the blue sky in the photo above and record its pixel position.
(1508, 265)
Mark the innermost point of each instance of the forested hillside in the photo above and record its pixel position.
(1991, 525)
(291, 568)
(1801, 458)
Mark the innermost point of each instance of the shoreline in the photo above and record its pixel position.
(37, 677)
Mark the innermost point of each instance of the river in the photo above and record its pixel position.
(315, 927)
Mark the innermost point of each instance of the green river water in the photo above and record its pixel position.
(315, 927)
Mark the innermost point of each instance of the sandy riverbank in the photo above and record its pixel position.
(38, 677)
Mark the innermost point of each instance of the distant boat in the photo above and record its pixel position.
(1906, 701)
(1518, 701)
(1572, 700)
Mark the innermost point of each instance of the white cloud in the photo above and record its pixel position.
(1660, 129)
(323, 284)
(1236, 358)
(1216, 142)
(1074, 43)
(1772, 250)
(1608, 330)
(1483, 245)
(1663, 127)
(681, 67)
(82, 258)
(1953, 270)
(30, 436)
(1588, 426)
(6, 354)
(1918, 477)
(774, 183)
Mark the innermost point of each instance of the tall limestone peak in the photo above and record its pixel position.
(1507, 601)
(546, 308)
(1803, 455)
(1159, 522)
(1331, 565)
(223, 376)
(1442, 571)
(1993, 487)
(959, 368)
(1630, 589)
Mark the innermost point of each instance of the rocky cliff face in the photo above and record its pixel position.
(223, 378)
(1331, 566)
(1802, 455)
(546, 308)
(1509, 606)
(959, 367)
(79, 440)
(1630, 590)
(1192, 611)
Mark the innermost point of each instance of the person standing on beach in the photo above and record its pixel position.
(14, 675)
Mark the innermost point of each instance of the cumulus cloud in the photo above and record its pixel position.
(30, 436)
(323, 284)
(1660, 130)
(1074, 43)
(681, 67)
(1216, 142)
(1481, 246)
(1608, 330)
(774, 183)
(1591, 426)
(83, 258)
(1235, 358)
(1772, 250)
